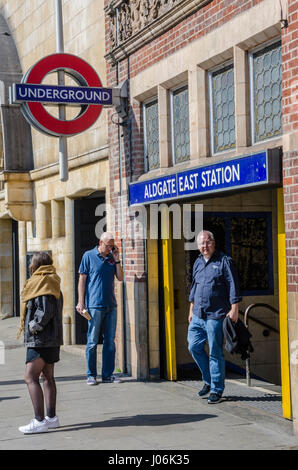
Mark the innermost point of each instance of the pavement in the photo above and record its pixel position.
(135, 415)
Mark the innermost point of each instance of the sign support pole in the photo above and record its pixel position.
(63, 158)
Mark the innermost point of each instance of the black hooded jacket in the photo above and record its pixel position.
(237, 338)
(43, 323)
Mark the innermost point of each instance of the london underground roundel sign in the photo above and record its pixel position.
(89, 95)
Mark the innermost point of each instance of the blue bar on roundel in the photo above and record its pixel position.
(25, 92)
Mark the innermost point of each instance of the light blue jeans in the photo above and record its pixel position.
(212, 367)
(105, 318)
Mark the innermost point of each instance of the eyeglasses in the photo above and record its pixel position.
(108, 246)
(208, 243)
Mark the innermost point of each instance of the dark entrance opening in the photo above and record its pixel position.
(85, 222)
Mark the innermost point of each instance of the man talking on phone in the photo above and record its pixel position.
(97, 270)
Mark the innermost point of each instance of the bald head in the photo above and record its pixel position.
(106, 236)
(203, 233)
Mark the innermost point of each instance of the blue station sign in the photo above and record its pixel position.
(23, 92)
(243, 172)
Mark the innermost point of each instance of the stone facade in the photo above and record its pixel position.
(134, 22)
(36, 198)
(6, 284)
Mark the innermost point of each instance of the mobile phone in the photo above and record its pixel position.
(113, 249)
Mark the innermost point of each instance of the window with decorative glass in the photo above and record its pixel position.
(180, 125)
(247, 238)
(266, 92)
(151, 135)
(222, 108)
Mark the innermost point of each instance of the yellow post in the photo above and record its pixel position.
(169, 297)
(283, 308)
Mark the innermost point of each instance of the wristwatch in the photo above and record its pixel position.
(117, 262)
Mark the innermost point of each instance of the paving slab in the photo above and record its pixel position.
(134, 415)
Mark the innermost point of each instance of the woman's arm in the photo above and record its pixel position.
(46, 307)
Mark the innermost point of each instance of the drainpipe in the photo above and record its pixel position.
(123, 252)
(129, 131)
(122, 224)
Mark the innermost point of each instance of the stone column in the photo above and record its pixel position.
(136, 329)
(22, 253)
(164, 129)
(241, 74)
(41, 221)
(67, 277)
(58, 218)
(6, 276)
(198, 113)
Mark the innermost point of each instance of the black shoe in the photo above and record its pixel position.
(214, 398)
(205, 390)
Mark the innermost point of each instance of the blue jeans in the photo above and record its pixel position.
(212, 367)
(105, 318)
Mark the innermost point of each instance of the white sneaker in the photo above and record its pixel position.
(91, 381)
(52, 422)
(34, 427)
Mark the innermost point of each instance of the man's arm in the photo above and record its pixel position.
(119, 272)
(233, 313)
(45, 311)
(81, 292)
(191, 297)
(234, 289)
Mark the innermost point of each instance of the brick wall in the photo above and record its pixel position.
(198, 24)
(131, 141)
(290, 126)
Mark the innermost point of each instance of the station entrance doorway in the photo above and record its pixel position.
(247, 226)
(85, 222)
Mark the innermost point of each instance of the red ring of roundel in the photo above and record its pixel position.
(52, 125)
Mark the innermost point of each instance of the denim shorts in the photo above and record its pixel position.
(49, 355)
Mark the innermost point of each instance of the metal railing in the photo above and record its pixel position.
(267, 330)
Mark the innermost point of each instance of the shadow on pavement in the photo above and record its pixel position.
(265, 398)
(57, 379)
(8, 398)
(138, 420)
(70, 379)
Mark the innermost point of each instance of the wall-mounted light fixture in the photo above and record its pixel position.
(283, 14)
